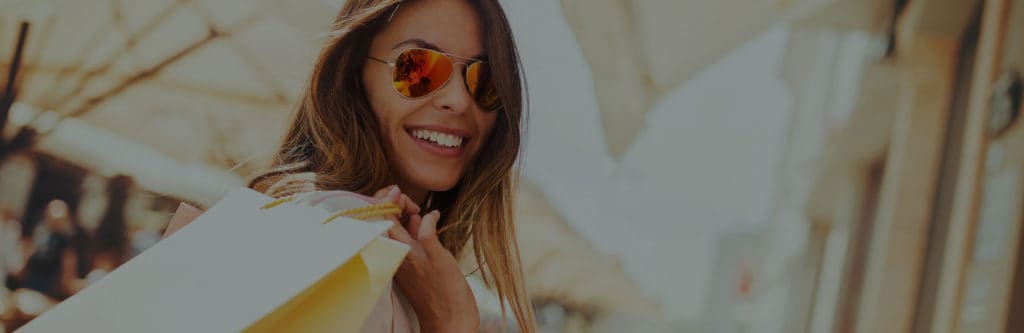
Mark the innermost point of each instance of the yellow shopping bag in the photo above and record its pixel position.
(242, 267)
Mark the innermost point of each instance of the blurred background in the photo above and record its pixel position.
(691, 166)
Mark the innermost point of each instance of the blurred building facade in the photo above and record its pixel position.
(912, 211)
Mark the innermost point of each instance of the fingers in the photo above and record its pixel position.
(398, 233)
(422, 229)
(418, 227)
(390, 194)
(394, 194)
(382, 192)
(414, 225)
(409, 207)
(427, 229)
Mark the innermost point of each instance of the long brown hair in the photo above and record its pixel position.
(334, 142)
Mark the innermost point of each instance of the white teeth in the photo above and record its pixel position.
(441, 139)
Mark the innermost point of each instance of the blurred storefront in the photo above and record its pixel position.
(915, 208)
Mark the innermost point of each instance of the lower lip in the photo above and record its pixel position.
(432, 148)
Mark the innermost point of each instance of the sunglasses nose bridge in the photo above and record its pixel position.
(464, 72)
(454, 94)
(465, 68)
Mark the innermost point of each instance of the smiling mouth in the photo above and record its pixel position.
(439, 139)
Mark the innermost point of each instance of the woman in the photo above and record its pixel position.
(427, 95)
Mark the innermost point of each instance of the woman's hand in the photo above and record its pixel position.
(430, 276)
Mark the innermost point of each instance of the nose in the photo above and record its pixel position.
(453, 96)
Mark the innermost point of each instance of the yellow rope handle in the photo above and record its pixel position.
(277, 202)
(366, 212)
(362, 213)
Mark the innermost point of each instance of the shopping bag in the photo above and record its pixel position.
(248, 264)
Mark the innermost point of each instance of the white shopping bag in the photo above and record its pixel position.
(242, 267)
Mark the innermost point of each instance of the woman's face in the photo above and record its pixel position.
(449, 26)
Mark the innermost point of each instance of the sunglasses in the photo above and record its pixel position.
(419, 72)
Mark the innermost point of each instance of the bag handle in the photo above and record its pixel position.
(381, 209)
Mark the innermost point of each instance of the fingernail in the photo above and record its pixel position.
(435, 213)
(394, 190)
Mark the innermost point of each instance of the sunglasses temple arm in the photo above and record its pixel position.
(394, 11)
(382, 61)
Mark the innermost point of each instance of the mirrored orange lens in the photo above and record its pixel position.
(481, 87)
(419, 72)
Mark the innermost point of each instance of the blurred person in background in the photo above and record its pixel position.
(53, 264)
(102, 241)
(12, 260)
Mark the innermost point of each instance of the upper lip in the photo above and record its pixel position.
(441, 129)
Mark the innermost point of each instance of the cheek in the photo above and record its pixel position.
(486, 122)
(386, 105)
(375, 94)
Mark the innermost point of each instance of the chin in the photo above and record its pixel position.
(439, 185)
(435, 181)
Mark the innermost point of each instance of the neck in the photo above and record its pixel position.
(417, 194)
